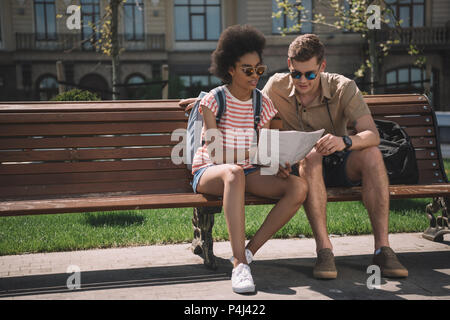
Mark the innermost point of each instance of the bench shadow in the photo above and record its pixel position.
(114, 219)
(281, 278)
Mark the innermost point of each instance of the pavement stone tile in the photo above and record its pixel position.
(282, 270)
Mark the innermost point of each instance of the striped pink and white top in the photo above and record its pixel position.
(236, 125)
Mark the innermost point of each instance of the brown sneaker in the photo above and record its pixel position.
(325, 267)
(389, 265)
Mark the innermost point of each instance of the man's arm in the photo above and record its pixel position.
(366, 136)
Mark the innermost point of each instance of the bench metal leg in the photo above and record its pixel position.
(202, 245)
(438, 225)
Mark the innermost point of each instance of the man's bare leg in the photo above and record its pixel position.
(367, 165)
(316, 201)
(315, 207)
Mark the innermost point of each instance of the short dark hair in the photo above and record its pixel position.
(234, 42)
(305, 47)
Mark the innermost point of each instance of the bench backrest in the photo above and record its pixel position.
(416, 116)
(74, 148)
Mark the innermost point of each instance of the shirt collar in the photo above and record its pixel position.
(325, 85)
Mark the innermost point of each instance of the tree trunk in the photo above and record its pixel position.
(115, 47)
(373, 61)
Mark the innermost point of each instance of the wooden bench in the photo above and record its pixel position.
(66, 157)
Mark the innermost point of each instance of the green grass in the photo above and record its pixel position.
(78, 231)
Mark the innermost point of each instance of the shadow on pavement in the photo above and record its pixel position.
(429, 277)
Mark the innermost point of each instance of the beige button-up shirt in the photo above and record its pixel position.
(345, 102)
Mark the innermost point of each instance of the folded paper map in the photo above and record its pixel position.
(278, 147)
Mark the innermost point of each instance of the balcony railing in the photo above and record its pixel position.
(74, 42)
(419, 36)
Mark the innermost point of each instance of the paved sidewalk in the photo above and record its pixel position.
(282, 270)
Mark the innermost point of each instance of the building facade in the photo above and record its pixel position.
(34, 35)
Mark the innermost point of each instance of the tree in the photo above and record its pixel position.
(364, 17)
(108, 42)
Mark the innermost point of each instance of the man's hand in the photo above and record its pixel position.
(187, 104)
(329, 144)
(284, 172)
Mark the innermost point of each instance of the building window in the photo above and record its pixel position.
(411, 80)
(47, 87)
(134, 20)
(410, 12)
(45, 18)
(0, 31)
(90, 15)
(135, 90)
(193, 84)
(197, 19)
(284, 23)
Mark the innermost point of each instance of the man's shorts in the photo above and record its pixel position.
(198, 174)
(334, 172)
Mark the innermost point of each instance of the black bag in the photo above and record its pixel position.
(398, 153)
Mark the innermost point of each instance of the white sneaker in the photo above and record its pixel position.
(242, 280)
(248, 256)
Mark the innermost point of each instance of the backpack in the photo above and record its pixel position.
(195, 121)
(398, 153)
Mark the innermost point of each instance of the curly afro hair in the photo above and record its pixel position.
(234, 42)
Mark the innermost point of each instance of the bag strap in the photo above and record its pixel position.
(219, 95)
(329, 114)
(257, 106)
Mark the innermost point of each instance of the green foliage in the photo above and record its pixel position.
(352, 18)
(76, 95)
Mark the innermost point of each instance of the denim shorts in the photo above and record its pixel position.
(334, 171)
(198, 174)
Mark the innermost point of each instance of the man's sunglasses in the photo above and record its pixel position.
(310, 75)
(259, 70)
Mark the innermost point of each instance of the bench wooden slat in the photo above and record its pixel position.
(82, 154)
(89, 106)
(409, 121)
(428, 164)
(423, 142)
(426, 154)
(151, 187)
(85, 142)
(387, 99)
(400, 109)
(92, 128)
(431, 176)
(420, 131)
(85, 177)
(97, 166)
(55, 117)
(182, 200)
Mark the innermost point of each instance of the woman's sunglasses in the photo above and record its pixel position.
(310, 75)
(259, 70)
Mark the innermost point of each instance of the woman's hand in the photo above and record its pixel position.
(284, 172)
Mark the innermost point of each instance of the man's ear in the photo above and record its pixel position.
(324, 65)
(289, 63)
